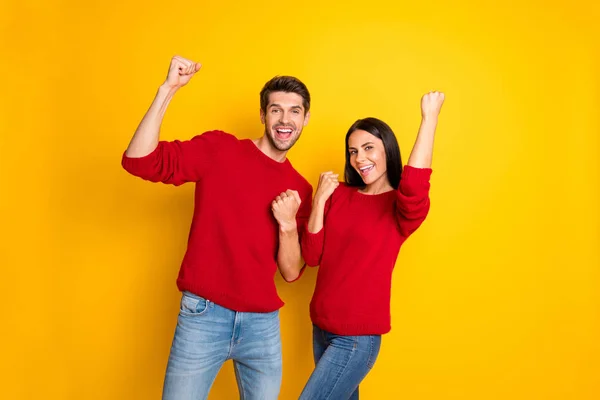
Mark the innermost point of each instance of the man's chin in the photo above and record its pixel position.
(283, 145)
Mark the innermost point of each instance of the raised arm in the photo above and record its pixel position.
(312, 240)
(146, 136)
(174, 162)
(422, 152)
(412, 205)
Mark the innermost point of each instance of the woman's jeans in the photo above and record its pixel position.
(342, 362)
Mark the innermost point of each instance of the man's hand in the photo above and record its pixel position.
(284, 207)
(180, 72)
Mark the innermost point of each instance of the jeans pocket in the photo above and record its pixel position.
(192, 305)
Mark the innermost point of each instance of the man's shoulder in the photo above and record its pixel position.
(300, 180)
(217, 136)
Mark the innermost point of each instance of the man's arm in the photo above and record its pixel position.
(289, 255)
(146, 136)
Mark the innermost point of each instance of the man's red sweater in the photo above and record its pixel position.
(231, 257)
(357, 250)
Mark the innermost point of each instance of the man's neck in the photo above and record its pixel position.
(267, 148)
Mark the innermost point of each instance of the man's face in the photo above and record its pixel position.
(284, 119)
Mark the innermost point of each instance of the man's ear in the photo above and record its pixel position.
(306, 118)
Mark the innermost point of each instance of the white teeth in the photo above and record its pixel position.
(366, 168)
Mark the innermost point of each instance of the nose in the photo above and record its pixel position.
(360, 156)
(285, 117)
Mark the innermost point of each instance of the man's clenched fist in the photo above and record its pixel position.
(181, 71)
(284, 207)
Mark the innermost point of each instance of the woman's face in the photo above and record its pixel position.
(367, 156)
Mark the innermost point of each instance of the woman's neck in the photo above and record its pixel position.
(381, 185)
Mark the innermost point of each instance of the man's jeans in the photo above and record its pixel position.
(207, 335)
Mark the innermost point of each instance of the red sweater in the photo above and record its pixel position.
(357, 250)
(231, 256)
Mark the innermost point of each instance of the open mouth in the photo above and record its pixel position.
(364, 171)
(283, 133)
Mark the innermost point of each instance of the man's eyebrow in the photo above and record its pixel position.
(279, 105)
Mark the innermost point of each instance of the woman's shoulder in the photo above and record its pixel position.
(342, 191)
(343, 188)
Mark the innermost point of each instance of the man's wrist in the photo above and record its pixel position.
(287, 228)
(167, 89)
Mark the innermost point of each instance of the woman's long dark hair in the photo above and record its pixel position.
(382, 131)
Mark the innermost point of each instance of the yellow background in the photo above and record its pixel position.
(495, 297)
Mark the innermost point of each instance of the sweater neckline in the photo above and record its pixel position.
(356, 190)
(373, 195)
(370, 198)
(258, 154)
(373, 198)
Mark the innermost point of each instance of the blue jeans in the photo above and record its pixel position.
(207, 335)
(342, 362)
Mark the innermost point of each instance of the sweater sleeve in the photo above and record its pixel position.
(312, 243)
(178, 162)
(304, 212)
(412, 201)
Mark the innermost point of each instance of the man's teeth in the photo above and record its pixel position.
(285, 130)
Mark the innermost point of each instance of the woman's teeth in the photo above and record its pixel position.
(366, 170)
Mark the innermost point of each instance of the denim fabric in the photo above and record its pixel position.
(207, 335)
(342, 362)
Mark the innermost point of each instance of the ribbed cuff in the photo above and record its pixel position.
(415, 181)
(137, 165)
(416, 174)
(312, 239)
(312, 247)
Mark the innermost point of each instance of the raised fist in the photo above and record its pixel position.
(181, 71)
(328, 182)
(431, 104)
(285, 206)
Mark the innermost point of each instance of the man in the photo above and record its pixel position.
(244, 227)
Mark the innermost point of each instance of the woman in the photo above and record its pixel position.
(354, 234)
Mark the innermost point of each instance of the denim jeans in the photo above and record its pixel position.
(207, 335)
(342, 362)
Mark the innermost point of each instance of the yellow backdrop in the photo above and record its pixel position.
(495, 297)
